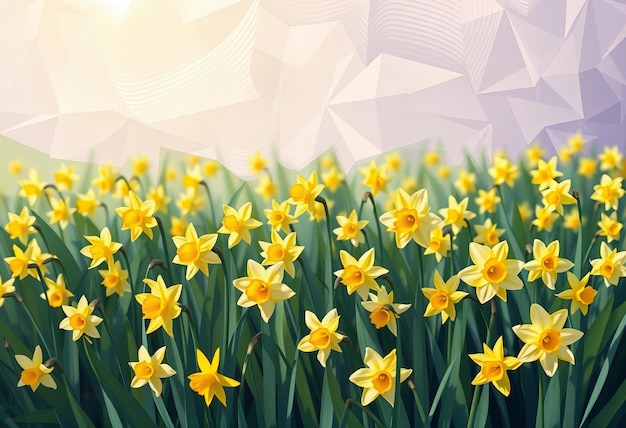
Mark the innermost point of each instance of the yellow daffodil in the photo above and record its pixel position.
(257, 163)
(494, 366)
(379, 377)
(208, 382)
(18, 263)
(6, 287)
(211, 168)
(149, 369)
(192, 178)
(502, 171)
(323, 337)
(610, 158)
(178, 225)
(105, 181)
(431, 158)
(457, 214)
(610, 265)
(281, 250)
(138, 216)
(545, 173)
(547, 263)
(557, 195)
(157, 194)
(608, 192)
(20, 226)
(350, 228)
(409, 184)
(411, 218)
(34, 372)
(101, 249)
(31, 188)
(15, 167)
(393, 161)
(466, 183)
(545, 339)
(238, 223)
(303, 194)
(170, 173)
(571, 220)
(443, 297)
(544, 218)
(263, 288)
(80, 320)
(266, 188)
(61, 212)
(160, 306)
(195, 252)
(375, 178)
(57, 293)
(487, 201)
(327, 162)
(65, 177)
(87, 203)
(444, 172)
(383, 312)
(190, 202)
(610, 227)
(115, 279)
(278, 216)
(534, 152)
(439, 244)
(332, 179)
(492, 274)
(141, 164)
(320, 212)
(576, 142)
(193, 160)
(565, 155)
(581, 294)
(359, 275)
(487, 233)
(587, 167)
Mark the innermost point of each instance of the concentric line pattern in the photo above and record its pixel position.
(98, 79)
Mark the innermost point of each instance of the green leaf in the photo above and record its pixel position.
(593, 339)
(43, 416)
(442, 386)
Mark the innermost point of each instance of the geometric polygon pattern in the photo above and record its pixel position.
(107, 79)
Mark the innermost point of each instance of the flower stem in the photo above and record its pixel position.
(45, 293)
(167, 253)
(330, 297)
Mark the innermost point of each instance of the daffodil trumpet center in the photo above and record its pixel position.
(586, 295)
(439, 300)
(56, 299)
(258, 291)
(549, 262)
(277, 217)
(406, 220)
(382, 382)
(353, 277)
(201, 383)
(144, 370)
(298, 193)
(350, 230)
(492, 370)
(607, 269)
(78, 322)
(275, 253)
(320, 338)
(380, 317)
(111, 281)
(188, 252)
(152, 307)
(231, 223)
(31, 376)
(132, 218)
(494, 271)
(550, 340)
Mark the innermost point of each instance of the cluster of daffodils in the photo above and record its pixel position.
(467, 236)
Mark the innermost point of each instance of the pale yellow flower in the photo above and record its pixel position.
(492, 274)
(34, 372)
(544, 218)
(393, 161)
(160, 306)
(611, 265)
(157, 194)
(545, 339)
(610, 158)
(502, 171)
(493, 367)
(608, 192)
(106, 179)
(360, 275)
(350, 228)
(466, 183)
(278, 216)
(488, 233)
(6, 287)
(266, 188)
(32, 188)
(534, 152)
(332, 179)
(457, 214)
(257, 163)
(101, 249)
(65, 177)
(411, 218)
(61, 212)
(87, 203)
(115, 279)
(323, 337)
(281, 250)
(439, 244)
(610, 227)
(379, 377)
(141, 164)
(263, 287)
(557, 195)
(138, 216)
(587, 167)
(190, 202)
(208, 382)
(303, 194)
(487, 201)
(195, 252)
(80, 320)
(443, 297)
(375, 178)
(547, 263)
(57, 293)
(20, 226)
(149, 369)
(545, 173)
(238, 223)
(383, 312)
(576, 142)
(581, 294)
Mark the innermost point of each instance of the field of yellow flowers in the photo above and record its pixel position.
(403, 293)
